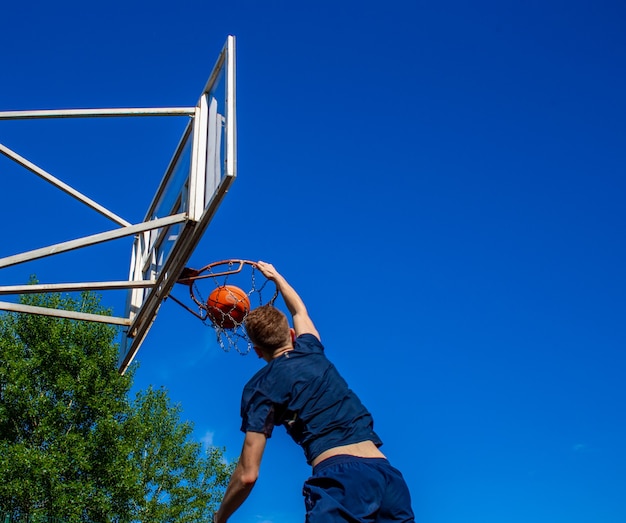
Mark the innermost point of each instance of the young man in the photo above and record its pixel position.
(299, 388)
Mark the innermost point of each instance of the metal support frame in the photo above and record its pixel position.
(127, 229)
(148, 287)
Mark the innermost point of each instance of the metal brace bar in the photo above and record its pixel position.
(75, 287)
(58, 313)
(93, 113)
(92, 240)
(62, 185)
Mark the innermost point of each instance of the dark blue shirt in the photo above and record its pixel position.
(302, 390)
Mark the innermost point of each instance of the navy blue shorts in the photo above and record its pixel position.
(346, 488)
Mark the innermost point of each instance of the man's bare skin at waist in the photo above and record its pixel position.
(363, 449)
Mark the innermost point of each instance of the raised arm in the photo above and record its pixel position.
(302, 323)
(244, 476)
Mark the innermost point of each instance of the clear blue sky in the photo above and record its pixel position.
(444, 184)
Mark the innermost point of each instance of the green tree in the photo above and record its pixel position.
(178, 483)
(72, 444)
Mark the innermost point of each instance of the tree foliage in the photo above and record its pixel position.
(72, 443)
(174, 481)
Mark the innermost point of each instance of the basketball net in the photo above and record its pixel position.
(240, 273)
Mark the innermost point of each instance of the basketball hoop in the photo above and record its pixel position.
(241, 287)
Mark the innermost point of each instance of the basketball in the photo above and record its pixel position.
(228, 306)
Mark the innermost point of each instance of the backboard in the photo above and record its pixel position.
(197, 179)
(201, 169)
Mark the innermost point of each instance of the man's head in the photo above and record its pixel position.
(268, 329)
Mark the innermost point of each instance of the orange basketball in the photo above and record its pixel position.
(228, 306)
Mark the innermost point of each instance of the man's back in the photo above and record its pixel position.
(303, 391)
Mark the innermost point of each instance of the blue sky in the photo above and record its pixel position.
(444, 184)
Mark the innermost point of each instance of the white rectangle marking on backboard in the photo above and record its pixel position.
(213, 172)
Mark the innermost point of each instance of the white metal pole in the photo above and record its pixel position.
(94, 113)
(59, 313)
(92, 240)
(62, 185)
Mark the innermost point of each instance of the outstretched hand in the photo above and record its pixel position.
(302, 324)
(268, 270)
